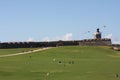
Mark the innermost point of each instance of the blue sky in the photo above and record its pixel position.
(41, 20)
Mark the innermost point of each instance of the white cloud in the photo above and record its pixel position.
(116, 40)
(109, 36)
(30, 40)
(68, 36)
(46, 39)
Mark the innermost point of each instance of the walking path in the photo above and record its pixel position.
(42, 49)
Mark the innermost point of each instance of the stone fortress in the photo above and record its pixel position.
(97, 41)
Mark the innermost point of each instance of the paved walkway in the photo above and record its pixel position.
(42, 49)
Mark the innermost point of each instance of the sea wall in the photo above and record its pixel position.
(85, 42)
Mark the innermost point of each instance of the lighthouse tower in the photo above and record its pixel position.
(97, 34)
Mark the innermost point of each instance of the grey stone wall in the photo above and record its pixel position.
(95, 42)
(86, 42)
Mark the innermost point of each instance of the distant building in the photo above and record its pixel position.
(97, 34)
(95, 42)
(98, 41)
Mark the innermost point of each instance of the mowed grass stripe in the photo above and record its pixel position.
(15, 50)
(25, 52)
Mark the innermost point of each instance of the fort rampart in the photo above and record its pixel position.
(85, 42)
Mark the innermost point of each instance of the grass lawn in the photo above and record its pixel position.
(62, 63)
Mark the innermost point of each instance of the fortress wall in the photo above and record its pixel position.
(116, 47)
(86, 42)
(98, 41)
(95, 42)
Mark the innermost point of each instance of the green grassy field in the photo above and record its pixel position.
(61, 63)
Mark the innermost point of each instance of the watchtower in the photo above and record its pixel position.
(97, 34)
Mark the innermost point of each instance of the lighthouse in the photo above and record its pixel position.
(97, 34)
